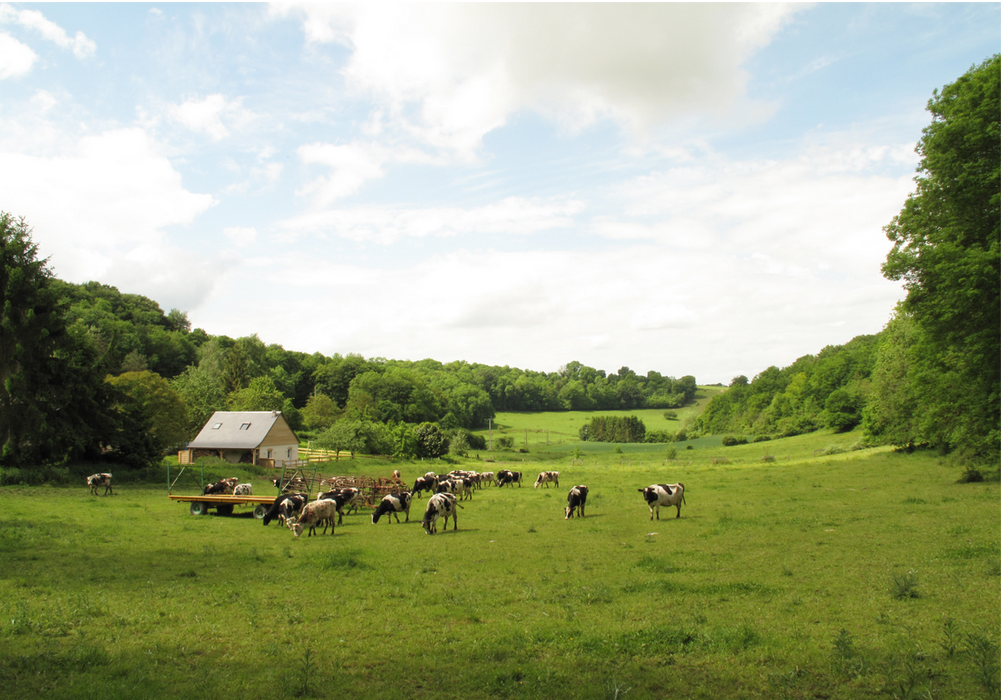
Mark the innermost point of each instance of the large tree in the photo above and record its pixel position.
(50, 399)
(946, 250)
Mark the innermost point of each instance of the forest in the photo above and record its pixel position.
(91, 373)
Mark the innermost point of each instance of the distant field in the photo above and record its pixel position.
(852, 575)
(554, 428)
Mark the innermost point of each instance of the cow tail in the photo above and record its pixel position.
(683, 490)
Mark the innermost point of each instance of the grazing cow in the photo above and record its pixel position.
(440, 505)
(394, 503)
(343, 497)
(222, 487)
(505, 476)
(575, 501)
(487, 478)
(243, 490)
(313, 514)
(424, 483)
(547, 478)
(95, 481)
(659, 495)
(285, 507)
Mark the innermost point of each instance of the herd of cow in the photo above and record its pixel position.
(297, 512)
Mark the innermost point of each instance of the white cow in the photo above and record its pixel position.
(659, 495)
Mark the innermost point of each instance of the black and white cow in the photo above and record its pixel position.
(285, 507)
(243, 490)
(575, 501)
(440, 505)
(222, 487)
(394, 503)
(95, 481)
(343, 497)
(505, 476)
(548, 478)
(424, 483)
(659, 495)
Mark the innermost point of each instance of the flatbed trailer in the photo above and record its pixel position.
(224, 505)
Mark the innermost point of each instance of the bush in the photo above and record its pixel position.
(731, 440)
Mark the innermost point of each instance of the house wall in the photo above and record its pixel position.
(282, 443)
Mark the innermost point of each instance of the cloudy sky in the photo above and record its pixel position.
(687, 188)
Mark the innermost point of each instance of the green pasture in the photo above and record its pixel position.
(846, 575)
(560, 427)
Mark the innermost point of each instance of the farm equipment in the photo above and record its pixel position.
(294, 478)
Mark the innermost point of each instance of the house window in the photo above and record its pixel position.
(245, 426)
(217, 426)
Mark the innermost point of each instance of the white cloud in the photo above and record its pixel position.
(384, 225)
(206, 116)
(93, 206)
(240, 236)
(449, 74)
(16, 59)
(81, 46)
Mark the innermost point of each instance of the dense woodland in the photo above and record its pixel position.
(91, 373)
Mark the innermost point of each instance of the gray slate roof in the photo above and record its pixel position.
(223, 430)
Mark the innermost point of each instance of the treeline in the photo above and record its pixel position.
(933, 376)
(830, 389)
(92, 373)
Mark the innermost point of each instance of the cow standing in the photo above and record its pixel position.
(658, 495)
(575, 501)
(394, 503)
(95, 481)
(440, 505)
(548, 478)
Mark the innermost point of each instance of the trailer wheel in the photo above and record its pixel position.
(260, 511)
(199, 508)
(224, 508)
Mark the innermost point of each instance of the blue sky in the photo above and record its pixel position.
(687, 188)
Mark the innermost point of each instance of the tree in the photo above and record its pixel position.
(145, 403)
(261, 395)
(51, 402)
(947, 249)
(431, 441)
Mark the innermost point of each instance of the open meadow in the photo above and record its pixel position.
(844, 575)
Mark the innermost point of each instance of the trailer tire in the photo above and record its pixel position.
(199, 508)
(260, 511)
(224, 509)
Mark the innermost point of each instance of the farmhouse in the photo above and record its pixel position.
(255, 437)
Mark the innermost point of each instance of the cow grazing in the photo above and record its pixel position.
(575, 501)
(343, 497)
(222, 487)
(394, 503)
(314, 513)
(424, 483)
(285, 507)
(548, 478)
(487, 478)
(95, 481)
(505, 476)
(243, 490)
(659, 495)
(440, 505)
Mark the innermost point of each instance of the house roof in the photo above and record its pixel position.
(236, 430)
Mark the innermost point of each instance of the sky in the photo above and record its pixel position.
(693, 189)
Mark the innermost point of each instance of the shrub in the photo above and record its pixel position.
(731, 440)
(904, 586)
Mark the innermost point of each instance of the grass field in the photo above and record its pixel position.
(550, 429)
(851, 575)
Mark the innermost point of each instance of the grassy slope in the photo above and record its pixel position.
(565, 426)
(742, 597)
